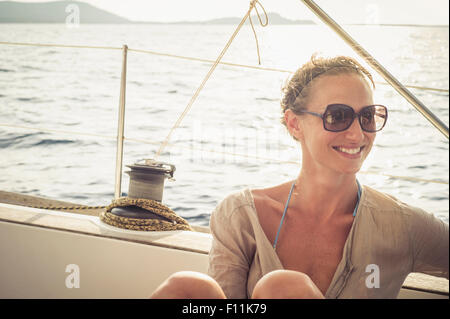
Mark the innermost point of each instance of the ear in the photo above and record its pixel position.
(293, 124)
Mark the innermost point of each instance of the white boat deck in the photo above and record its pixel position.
(38, 245)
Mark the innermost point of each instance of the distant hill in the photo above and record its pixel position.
(53, 12)
(274, 18)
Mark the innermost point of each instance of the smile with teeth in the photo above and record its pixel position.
(350, 151)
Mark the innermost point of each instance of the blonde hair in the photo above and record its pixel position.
(297, 90)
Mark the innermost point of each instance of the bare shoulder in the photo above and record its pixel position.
(269, 204)
(270, 198)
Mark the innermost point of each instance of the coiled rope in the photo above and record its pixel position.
(169, 219)
(172, 222)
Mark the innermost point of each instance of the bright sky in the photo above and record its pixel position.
(343, 11)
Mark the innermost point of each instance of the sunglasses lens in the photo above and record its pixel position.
(338, 117)
(373, 118)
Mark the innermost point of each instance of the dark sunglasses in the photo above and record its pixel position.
(339, 117)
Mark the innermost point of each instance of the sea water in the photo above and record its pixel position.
(59, 110)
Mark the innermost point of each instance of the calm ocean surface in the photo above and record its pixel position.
(77, 90)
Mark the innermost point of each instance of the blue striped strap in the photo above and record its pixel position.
(282, 218)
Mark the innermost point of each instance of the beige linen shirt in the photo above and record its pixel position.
(397, 238)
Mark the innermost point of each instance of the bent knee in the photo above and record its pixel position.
(189, 285)
(191, 279)
(286, 284)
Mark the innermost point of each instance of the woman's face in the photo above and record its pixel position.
(342, 152)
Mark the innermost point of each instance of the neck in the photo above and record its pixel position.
(324, 196)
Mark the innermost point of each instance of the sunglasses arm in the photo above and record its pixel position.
(312, 113)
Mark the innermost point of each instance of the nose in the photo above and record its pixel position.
(355, 132)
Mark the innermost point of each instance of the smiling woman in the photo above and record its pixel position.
(328, 87)
(321, 235)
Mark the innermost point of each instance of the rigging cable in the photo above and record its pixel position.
(175, 56)
(208, 75)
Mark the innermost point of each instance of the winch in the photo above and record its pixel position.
(147, 179)
(146, 182)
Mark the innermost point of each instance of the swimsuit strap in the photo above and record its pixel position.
(282, 218)
(359, 196)
(287, 204)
